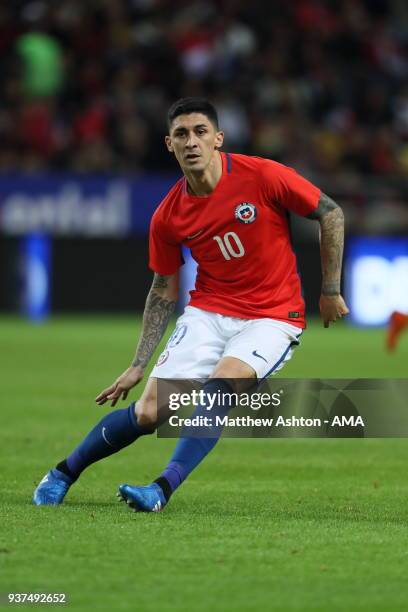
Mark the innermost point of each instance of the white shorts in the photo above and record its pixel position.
(202, 338)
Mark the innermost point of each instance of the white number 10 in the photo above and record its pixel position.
(230, 245)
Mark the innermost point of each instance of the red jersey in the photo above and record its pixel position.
(239, 236)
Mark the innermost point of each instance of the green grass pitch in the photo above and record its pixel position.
(285, 525)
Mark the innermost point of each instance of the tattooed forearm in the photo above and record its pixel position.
(160, 282)
(331, 221)
(157, 313)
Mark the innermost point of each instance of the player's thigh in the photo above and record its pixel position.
(265, 345)
(235, 370)
(193, 349)
(232, 367)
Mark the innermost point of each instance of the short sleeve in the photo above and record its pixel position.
(286, 187)
(164, 254)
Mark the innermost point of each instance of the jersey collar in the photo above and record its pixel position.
(226, 170)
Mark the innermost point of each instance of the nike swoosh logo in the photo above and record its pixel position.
(105, 438)
(260, 356)
(195, 235)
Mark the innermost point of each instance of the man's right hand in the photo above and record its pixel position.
(121, 387)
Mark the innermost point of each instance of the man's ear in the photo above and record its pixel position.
(219, 140)
(169, 146)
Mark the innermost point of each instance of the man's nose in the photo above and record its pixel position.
(191, 140)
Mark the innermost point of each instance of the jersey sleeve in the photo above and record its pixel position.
(164, 253)
(286, 187)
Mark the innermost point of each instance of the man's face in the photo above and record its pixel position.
(193, 139)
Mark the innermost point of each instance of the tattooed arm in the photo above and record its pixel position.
(159, 307)
(331, 219)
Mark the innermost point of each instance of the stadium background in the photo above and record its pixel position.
(318, 85)
(321, 86)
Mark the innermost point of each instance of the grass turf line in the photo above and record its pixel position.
(262, 524)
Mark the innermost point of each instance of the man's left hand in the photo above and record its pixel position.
(332, 307)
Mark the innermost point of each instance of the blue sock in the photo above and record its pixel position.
(115, 431)
(190, 451)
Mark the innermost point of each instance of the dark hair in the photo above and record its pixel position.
(185, 106)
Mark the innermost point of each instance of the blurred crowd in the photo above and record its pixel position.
(321, 85)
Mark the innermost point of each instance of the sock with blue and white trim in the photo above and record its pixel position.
(115, 431)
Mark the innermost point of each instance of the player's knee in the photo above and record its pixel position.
(146, 414)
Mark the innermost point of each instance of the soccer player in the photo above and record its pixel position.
(397, 323)
(246, 313)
